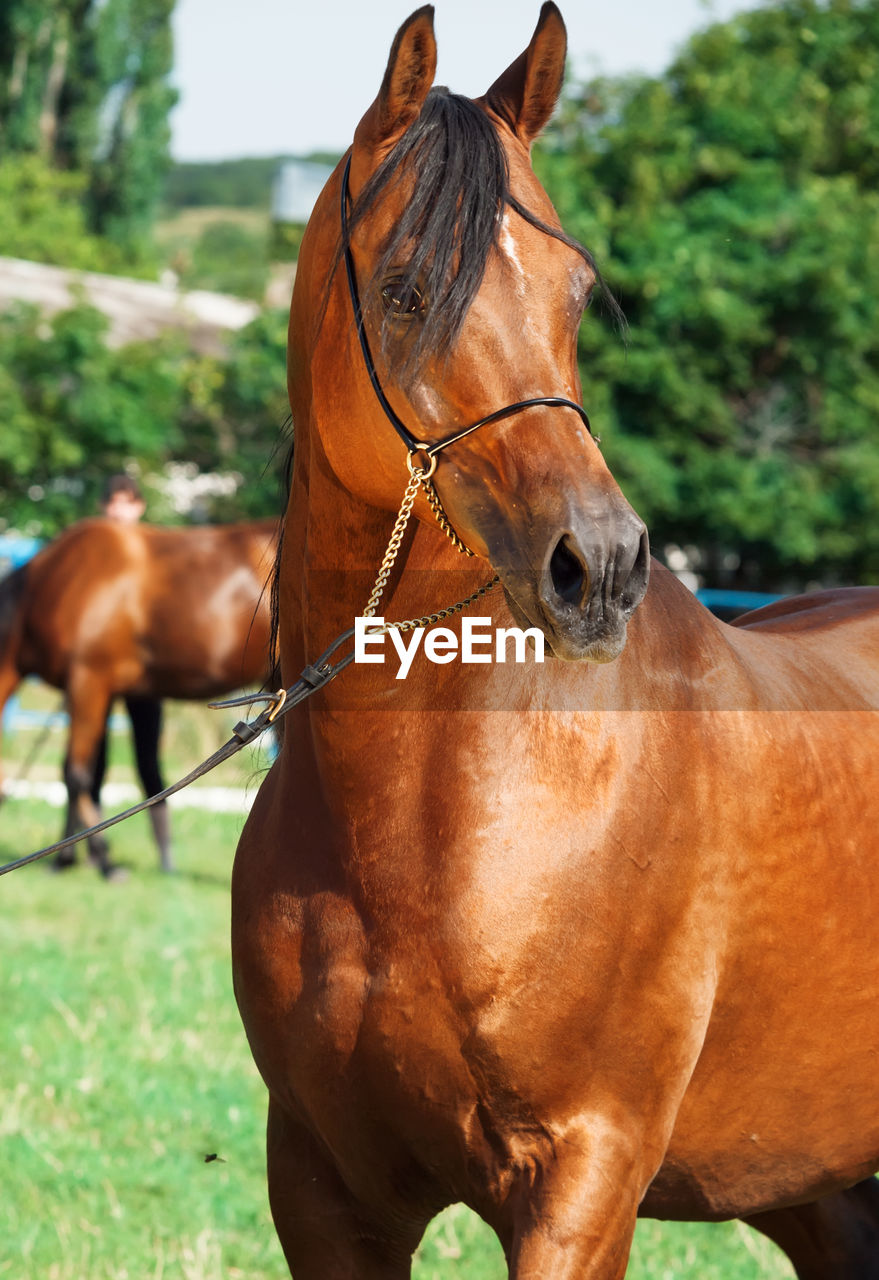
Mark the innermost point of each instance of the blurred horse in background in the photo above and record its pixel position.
(141, 611)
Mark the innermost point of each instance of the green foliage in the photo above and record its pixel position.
(42, 217)
(83, 85)
(285, 241)
(236, 414)
(75, 410)
(239, 184)
(228, 258)
(733, 204)
(134, 56)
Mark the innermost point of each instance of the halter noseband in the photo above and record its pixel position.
(414, 446)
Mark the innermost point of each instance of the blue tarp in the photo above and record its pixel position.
(742, 600)
(16, 550)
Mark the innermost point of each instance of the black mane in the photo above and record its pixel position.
(450, 223)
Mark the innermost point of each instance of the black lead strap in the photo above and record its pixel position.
(313, 677)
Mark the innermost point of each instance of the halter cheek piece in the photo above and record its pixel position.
(416, 447)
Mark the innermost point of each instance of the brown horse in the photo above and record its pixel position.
(108, 609)
(566, 941)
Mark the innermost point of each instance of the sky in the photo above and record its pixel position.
(275, 77)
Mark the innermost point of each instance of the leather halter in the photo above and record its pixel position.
(412, 443)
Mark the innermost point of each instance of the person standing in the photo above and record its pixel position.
(122, 500)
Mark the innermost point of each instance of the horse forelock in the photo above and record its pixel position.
(457, 184)
(457, 181)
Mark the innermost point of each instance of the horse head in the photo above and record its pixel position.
(469, 296)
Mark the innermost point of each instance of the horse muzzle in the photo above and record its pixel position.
(585, 587)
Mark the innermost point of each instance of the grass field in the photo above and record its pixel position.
(125, 1066)
(185, 227)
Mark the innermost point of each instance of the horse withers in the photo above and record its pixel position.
(566, 941)
(142, 611)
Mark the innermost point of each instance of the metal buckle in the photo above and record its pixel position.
(426, 472)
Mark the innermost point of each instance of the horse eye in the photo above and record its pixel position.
(402, 299)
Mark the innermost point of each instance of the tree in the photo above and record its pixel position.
(42, 217)
(75, 410)
(83, 85)
(228, 257)
(733, 202)
(237, 415)
(134, 57)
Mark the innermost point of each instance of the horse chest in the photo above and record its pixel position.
(436, 976)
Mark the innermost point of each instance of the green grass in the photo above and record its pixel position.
(125, 1064)
(185, 226)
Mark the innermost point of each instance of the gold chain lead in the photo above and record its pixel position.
(417, 478)
(393, 545)
(441, 517)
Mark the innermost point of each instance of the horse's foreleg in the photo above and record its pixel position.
(146, 724)
(88, 702)
(576, 1213)
(325, 1233)
(835, 1238)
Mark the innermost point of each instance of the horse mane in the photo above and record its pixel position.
(451, 221)
(450, 224)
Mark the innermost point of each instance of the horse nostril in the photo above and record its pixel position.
(635, 585)
(568, 574)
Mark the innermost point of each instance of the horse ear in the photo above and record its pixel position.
(408, 78)
(525, 95)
